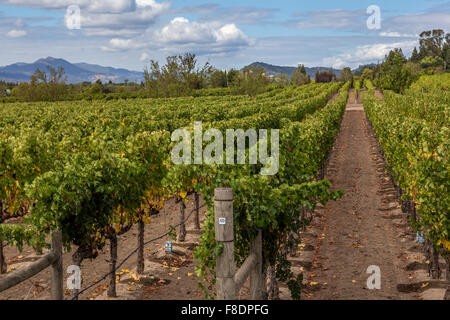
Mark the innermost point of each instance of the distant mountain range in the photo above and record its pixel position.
(272, 70)
(80, 72)
(75, 72)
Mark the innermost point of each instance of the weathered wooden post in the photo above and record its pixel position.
(197, 211)
(112, 293)
(3, 266)
(435, 268)
(182, 232)
(224, 229)
(447, 292)
(256, 275)
(140, 257)
(56, 285)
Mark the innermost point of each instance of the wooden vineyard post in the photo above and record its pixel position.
(435, 268)
(224, 229)
(140, 262)
(182, 233)
(112, 267)
(56, 286)
(197, 213)
(228, 280)
(447, 292)
(3, 266)
(256, 275)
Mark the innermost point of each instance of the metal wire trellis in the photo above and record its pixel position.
(134, 251)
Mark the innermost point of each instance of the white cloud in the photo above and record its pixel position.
(105, 32)
(335, 63)
(182, 35)
(111, 6)
(368, 54)
(230, 34)
(397, 35)
(150, 3)
(89, 5)
(139, 19)
(102, 17)
(19, 23)
(117, 44)
(379, 51)
(181, 30)
(335, 19)
(16, 34)
(416, 23)
(144, 57)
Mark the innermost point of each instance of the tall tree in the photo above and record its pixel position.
(446, 52)
(367, 74)
(431, 42)
(346, 75)
(218, 79)
(325, 76)
(179, 76)
(393, 75)
(232, 77)
(3, 89)
(300, 77)
(415, 56)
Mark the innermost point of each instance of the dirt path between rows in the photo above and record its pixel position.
(354, 233)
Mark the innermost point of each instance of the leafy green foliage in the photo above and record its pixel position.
(274, 204)
(413, 131)
(435, 83)
(101, 166)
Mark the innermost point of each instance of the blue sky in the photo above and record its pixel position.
(127, 33)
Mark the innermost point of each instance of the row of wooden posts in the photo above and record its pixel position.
(228, 280)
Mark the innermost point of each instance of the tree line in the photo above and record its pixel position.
(397, 72)
(181, 75)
